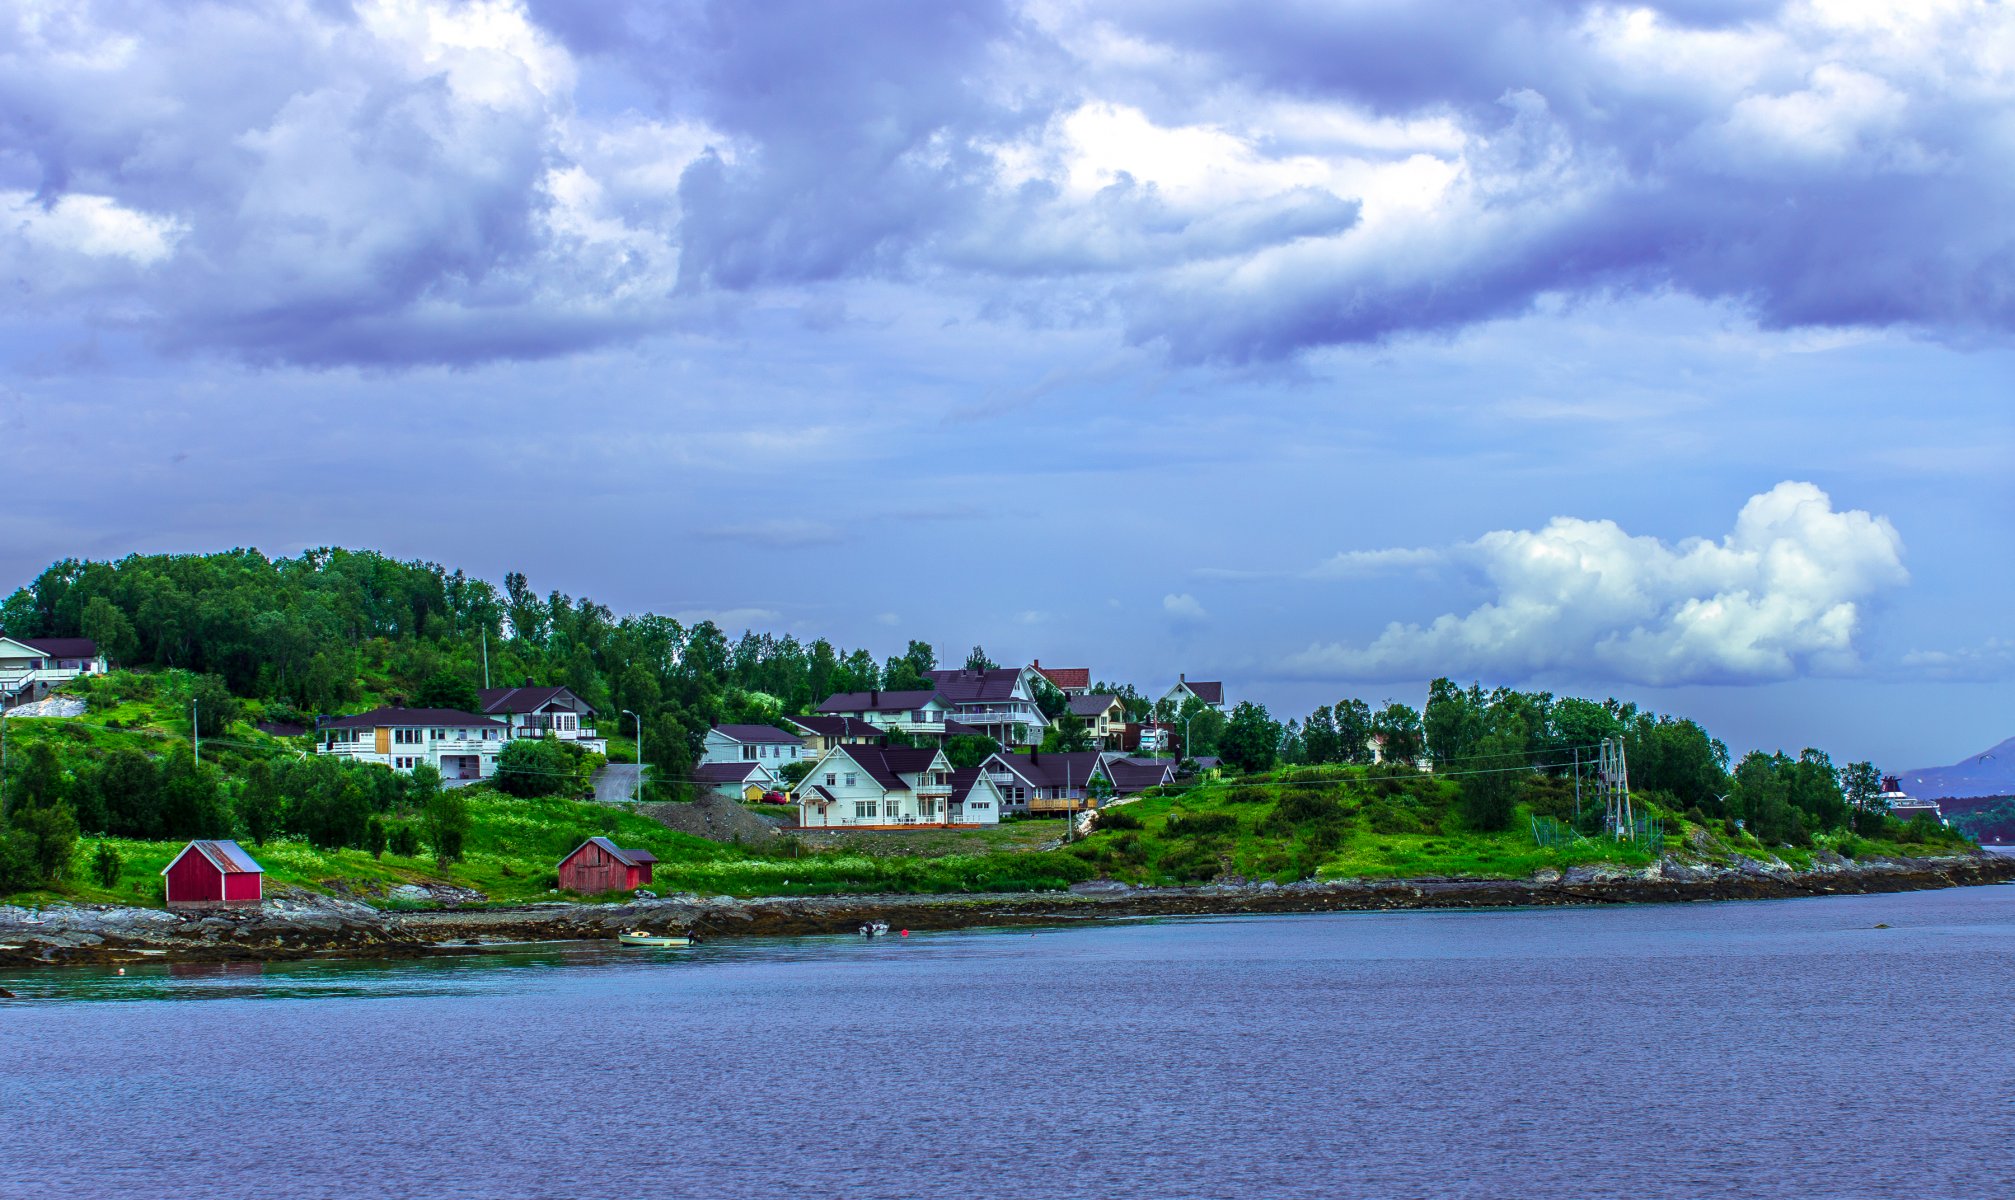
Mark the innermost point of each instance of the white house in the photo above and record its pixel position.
(913, 712)
(1071, 681)
(1073, 782)
(765, 744)
(537, 711)
(1208, 692)
(461, 746)
(883, 787)
(999, 703)
(822, 733)
(30, 667)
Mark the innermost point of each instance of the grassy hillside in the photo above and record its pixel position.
(1332, 822)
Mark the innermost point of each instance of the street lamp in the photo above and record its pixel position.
(637, 792)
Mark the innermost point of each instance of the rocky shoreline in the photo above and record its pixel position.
(307, 926)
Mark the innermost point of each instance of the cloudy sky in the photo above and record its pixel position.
(1660, 351)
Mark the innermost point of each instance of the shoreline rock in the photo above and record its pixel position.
(300, 926)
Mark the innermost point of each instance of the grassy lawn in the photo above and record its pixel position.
(937, 843)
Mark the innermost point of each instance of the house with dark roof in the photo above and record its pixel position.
(31, 667)
(999, 703)
(541, 711)
(736, 780)
(1207, 692)
(919, 712)
(884, 787)
(821, 733)
(462, 746)
(1072, 782)
(765, 744)
(1071, 681)
(1104, 719)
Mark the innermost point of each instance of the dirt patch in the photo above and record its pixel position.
(716, 818)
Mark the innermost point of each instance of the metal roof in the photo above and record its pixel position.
(227, 856)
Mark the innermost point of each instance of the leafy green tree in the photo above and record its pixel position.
(793, 773)
(977, 660)
(35, 777)
(1049, 698)
(446, 820)
(1065, 735)
(448, 689)
(261, 812)
(1319, 738)
(1453, 722)
(969, 750)
(49, 838)
(216, 707)
(1397, 730)
(192, 802)
(910, 671)
(1353, 731)
(106, 865)
(1251, 738)
(1203, 726)
(106, 625)
(374, 837)
(404, 842)
(528, 767)
(1490, 779)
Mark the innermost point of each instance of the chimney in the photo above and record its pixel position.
(1037, 664)
(873, 698)
(1181, 678)
(528, 681)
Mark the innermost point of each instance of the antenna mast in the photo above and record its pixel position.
(1612, 784)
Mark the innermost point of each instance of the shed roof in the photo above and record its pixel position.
(225, 855)
(629, 858)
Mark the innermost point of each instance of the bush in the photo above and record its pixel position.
(1190, 825)
(1117, 818)
(1387, 816)
(1245, 794)
(106, 865)
(1302, 806)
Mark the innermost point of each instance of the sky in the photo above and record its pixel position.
(1658, 351)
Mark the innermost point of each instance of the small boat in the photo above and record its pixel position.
(874, 929)
(639, 937)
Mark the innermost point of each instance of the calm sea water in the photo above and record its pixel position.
(1756, 1050)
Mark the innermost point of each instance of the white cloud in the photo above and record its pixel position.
(1991, 659)
(93, 226)
(1780, 595)
(1183, 607)
(1352, 563)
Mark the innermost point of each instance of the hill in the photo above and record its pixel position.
(1988, 773)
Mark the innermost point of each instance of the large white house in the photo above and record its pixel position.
(1210, 692)
(914, 712)
(999, 703)
(538, 711)
(30, 667)
(882, 787)
(461, 746)
(765, 744)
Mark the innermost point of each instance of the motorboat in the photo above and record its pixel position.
(641, 937)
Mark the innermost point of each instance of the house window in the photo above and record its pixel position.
(978, 804)
(863, 809)
(406, 737)
(831, 780)
(748, 753)
(850, 779)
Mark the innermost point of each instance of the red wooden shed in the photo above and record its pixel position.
(213, 874)
(599, 865)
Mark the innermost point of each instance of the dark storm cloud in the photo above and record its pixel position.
(404, 182)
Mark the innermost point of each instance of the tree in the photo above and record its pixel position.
(1353, 731)
(528, 767)
(969, 750)
(374, 837)
(793, 773)
(448, 689)
(1396, 728)
(1490, 787)
(49, 837)
(1251, 738)
(1318, 737)
(404, 842)
(1066, 735)
(446, 819)
(216, 707)
(977, 660)
(1049, 698)
(106, 625)
(106, 865)
(259, 806)
(910, 671)
(36, 777)
(1453, 722)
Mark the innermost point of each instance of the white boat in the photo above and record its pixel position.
(640, 937)
(874, 929)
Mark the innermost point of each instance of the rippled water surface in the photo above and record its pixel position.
(1757, 1050)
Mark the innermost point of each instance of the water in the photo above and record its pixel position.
(1756, 1050)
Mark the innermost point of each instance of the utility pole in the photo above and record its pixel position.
(3, 766)
(195, 732)
(486, 657)
(1612, 780)
(1577, 788)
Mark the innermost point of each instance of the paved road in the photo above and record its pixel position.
(616, 781)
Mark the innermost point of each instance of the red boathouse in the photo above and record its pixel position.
(599, 865)
(213, 874)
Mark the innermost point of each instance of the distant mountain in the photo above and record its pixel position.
(1988, 773)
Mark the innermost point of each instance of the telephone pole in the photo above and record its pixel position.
(195, 731)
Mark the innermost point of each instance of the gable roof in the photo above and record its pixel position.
(453, 718)
(757, 734)
(67, 647)
(850, 702)
(225, 855)
(1209, 691)
(966, 687)
(1063, 677)
(629, 858)
(838, 727)
(1130, 775)
(727, 772)
(1055, 770)
(1091, 706)
(528, 699)
(887, 764)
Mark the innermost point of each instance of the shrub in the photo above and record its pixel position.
(1302, 806)
(1117, 818)
(1386, 816)
(1192, 825)
(106, 865)
(1245, 794)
